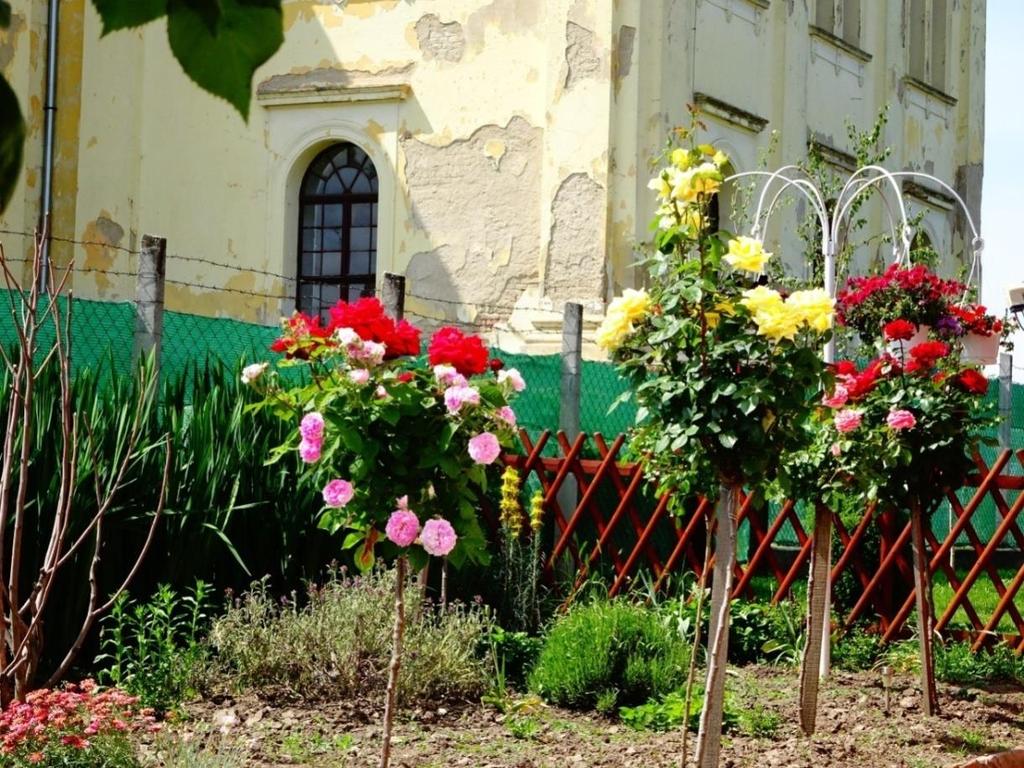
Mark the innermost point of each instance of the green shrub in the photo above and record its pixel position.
(857, 651)
(957, 664)
(152, 649)
(514, 654)
(668, 712)
(606, 647)
(338, 644)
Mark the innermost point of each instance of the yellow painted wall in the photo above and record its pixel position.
(511, 138)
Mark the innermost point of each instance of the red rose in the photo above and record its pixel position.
(865, 381)
(467, 354)
(496, 364)
(845, 368)
(405, 377)
(972, 381)
(302, 333)
(403, 340)
(366, 317)
(899, 330)
(929, 350)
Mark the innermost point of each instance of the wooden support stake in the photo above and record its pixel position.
(569, 406)
(817, 616)
(709, 735)
(923, 596)
(396, 662)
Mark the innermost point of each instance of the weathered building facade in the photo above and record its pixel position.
(496, 152)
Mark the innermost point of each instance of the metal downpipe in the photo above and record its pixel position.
(49, 138)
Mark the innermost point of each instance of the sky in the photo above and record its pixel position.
(1002, 201)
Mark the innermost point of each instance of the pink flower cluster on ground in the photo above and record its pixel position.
(68, 717)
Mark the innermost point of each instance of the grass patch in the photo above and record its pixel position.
(983, 597)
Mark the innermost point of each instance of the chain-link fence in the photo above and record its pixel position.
(103, 338)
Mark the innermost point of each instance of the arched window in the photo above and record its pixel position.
(337, 229)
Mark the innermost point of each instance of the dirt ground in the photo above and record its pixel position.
(855, 730)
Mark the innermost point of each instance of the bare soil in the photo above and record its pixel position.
(856, 728)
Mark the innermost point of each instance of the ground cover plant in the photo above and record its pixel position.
(336, 643)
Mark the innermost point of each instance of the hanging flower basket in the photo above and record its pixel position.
(981, 349)
(897, 347)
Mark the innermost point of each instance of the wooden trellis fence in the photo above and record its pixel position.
(617, 529)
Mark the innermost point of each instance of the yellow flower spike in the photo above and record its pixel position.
(747, 254)
(537, 512)
(511, 514)
(713, 318)
(815, 308)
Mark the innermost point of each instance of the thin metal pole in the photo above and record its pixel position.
(569, 407)
(1005, 399)
(49, 136)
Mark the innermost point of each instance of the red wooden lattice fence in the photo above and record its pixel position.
(618, 530)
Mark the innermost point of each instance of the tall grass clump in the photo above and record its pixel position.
(338, 643)
(612, 653)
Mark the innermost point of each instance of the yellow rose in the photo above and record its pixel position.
(622, 312)
(705, 179)
(660, 185)
(713, 318)
(761, 299)
(632, 304)
(747, 253)
(680, 158)
(815, 308)
(612, 332)
(778, 322)
(720, 158)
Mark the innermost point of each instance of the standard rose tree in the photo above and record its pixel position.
(723, 367)
(398, 446)
(901, 429)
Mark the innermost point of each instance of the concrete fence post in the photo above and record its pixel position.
(569, 406)
(392, 295)
(149, 297)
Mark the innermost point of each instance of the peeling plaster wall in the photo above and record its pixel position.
(477, 197)
(512, 137)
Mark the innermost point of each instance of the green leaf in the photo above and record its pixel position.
(124, 14)
(5, 14)
(210, 10)
(727, 440)
(364, 556)
(12, 139)
(223, 61)
(352, 538)
(351, 438)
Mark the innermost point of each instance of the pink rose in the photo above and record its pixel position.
(513, 377)
(380, 393)
(507, 415)
(359, 376)
(309, 451)
(438, 537)
(484, 448)
(445, 375)
(835, 449)
(403, 526)
(838, 398)
(371, 352)
(848, 420)
(312, 427)
(901, 419)
(455, 397)
(338, 493)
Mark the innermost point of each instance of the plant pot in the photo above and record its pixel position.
(982, 350)
(901, 349)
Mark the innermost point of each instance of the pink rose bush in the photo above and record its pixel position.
(374, 423)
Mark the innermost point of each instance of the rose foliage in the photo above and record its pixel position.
(723, 366)
(398, 448)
